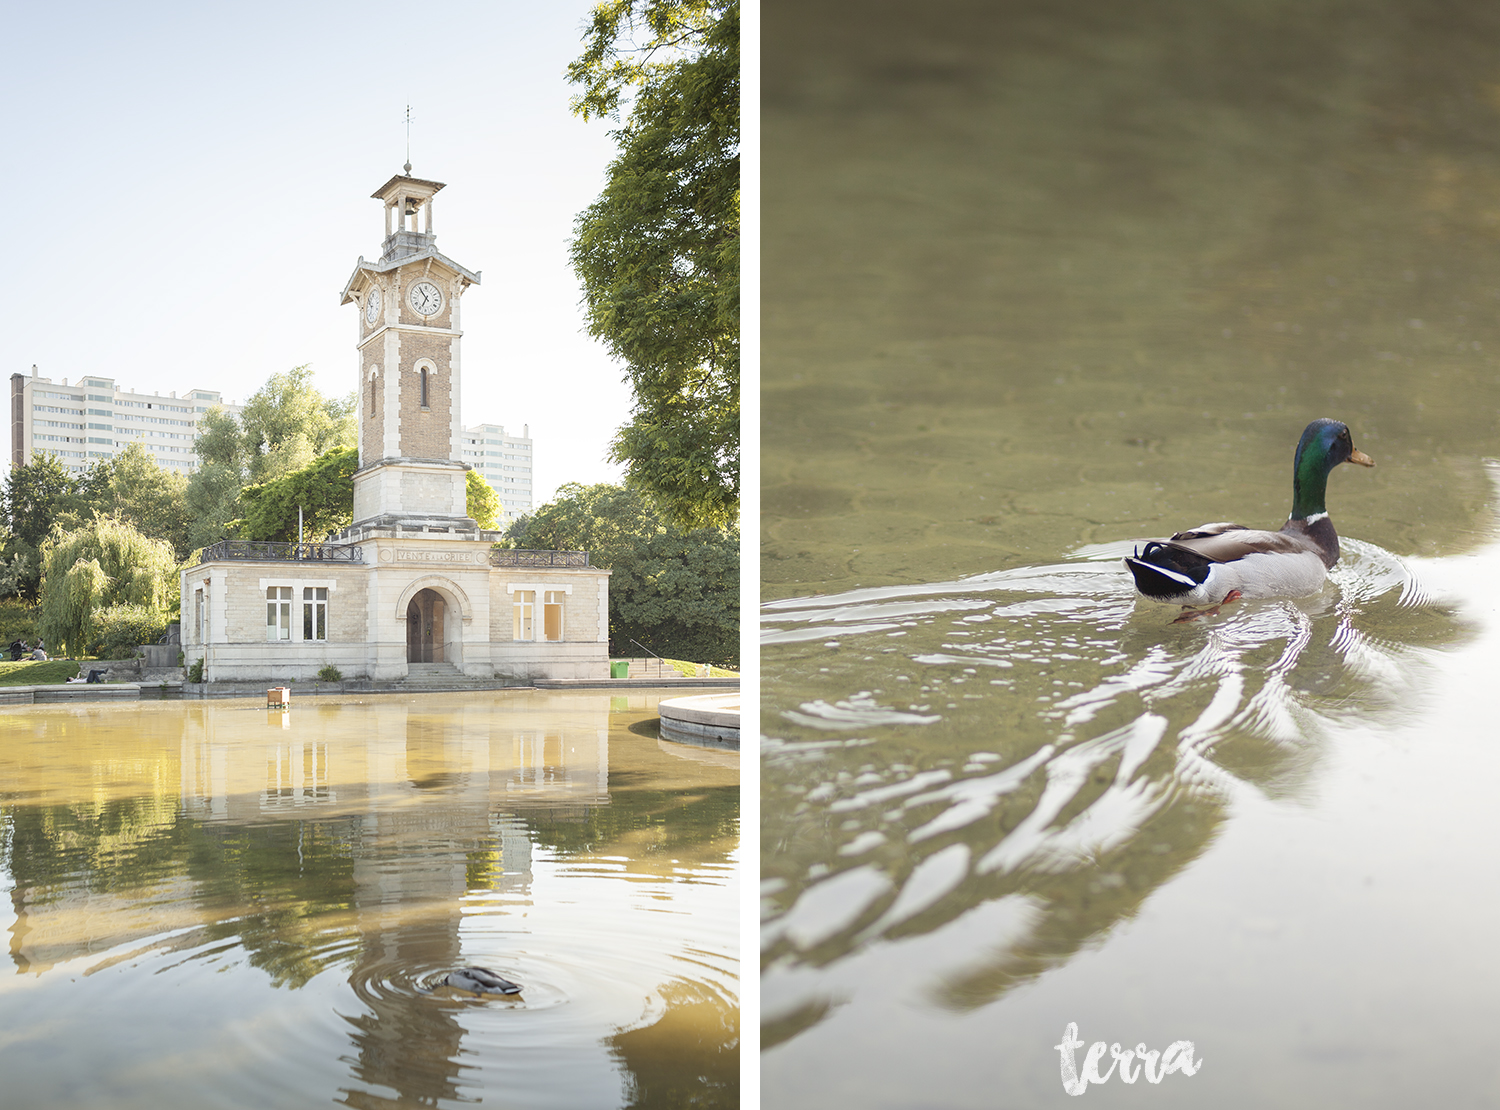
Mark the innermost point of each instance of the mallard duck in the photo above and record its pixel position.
(1216, 563)
(480, 980)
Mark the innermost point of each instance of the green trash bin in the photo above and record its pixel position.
(619, 670)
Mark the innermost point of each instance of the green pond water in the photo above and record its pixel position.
(1042, 280)
(213, 904)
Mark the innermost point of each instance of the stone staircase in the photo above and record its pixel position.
(653, 668)
(434, 676)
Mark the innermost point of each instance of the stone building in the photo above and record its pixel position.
(412, 585)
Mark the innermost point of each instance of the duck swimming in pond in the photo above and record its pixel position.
(480, 980)
(1216, 563)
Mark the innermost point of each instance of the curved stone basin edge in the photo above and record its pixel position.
(712, 720)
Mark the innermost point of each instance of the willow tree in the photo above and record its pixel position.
(658, 252)
(104, 565)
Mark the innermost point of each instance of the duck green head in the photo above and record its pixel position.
(1324, 444)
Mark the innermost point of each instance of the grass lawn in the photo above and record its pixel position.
(30, 673)
(690, 670)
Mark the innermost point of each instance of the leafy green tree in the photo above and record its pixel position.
(288, 423)
(483, 503)
(324, 489)
(15, 566)
(658, 252)
(35, 495)
(213, 490)
(137, 488)
(104, 564)
(675, 591)
(220, 440)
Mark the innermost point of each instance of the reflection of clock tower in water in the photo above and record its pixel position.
(410, 444)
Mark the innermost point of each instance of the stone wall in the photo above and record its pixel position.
(236, 602)
(585, 619)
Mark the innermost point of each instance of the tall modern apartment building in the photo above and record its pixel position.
(504, 459)
(95, 419)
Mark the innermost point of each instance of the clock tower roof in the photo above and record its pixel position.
(404, 185)
(386, 266)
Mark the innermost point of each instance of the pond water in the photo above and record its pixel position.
(213, 904)
(1041, 281)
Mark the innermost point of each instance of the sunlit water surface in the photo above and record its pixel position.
(1042, 801)
(219, 905)
(1042, 280)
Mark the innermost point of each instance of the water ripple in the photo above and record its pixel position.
(1106, 743)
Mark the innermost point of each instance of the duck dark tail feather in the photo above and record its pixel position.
(1166, 572)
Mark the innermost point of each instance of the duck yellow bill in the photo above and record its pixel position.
(1358, 456)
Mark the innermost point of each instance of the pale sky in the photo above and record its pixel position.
(190, 191)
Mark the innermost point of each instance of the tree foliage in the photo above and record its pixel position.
(135, 487)
(658, 252)
(324, 489)
(36, 495)
(481, 501)
(103, 564)
(288, 423)
(42, 496)
(120, 629)
(213, 502)
(675, 591)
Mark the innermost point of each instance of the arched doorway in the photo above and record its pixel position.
(424, 627)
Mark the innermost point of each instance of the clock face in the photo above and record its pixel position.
(426, 298)
(372, 306)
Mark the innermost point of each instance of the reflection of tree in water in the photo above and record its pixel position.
(703, 823)
(1083, 758)
(276, 884)
(308, 869)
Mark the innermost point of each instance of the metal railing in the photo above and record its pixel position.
(661, 664)
(272, 552)
(520, 557)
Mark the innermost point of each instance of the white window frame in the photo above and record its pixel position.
(279, 613)
(297, 586)
(535, 589)
(314, 614)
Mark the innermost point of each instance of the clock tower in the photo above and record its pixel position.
(411, 469)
